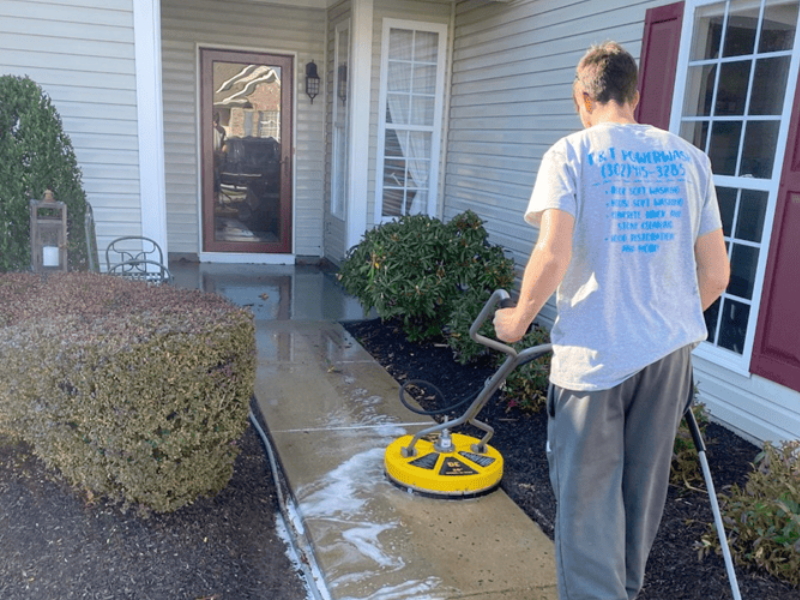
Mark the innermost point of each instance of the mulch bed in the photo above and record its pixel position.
(54, 544)
(674, 570)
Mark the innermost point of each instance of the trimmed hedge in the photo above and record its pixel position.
(133, 392)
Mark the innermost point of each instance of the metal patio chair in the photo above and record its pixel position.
(137, 258)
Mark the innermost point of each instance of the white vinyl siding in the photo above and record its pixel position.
(81, 52)
(279, 29)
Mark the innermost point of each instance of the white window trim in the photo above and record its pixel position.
(338, 205)
(727, 359)
(437, 130)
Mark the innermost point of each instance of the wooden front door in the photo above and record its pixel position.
(246, 146)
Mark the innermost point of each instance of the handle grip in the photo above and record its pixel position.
(498, 297)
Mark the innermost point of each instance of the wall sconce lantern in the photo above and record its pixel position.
(342, 83)
(48, 234)
(312, 81)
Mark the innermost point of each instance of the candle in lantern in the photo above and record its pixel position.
(50, 256)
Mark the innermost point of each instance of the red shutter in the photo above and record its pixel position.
(662, 36)
(776, 352)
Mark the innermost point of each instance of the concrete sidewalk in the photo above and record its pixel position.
(331, 411)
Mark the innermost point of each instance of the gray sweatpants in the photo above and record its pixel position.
(609, 453)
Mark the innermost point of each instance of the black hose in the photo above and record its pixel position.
(420, 383)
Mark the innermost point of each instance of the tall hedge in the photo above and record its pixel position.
(35, 154)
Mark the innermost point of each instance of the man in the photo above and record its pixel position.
(630, 238)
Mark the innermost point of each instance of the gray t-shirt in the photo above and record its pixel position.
(641, 197)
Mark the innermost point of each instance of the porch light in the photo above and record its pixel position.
(312, 81)
(48, 234)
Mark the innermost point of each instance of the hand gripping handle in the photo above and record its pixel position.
(498, 297)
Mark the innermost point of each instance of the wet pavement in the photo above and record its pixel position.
(331, 410)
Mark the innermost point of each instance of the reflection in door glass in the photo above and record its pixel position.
(246, 121)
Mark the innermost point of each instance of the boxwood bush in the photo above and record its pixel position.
(432, 276)
(35, 155)
(133, 392)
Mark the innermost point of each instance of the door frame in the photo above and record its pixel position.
(226, 252)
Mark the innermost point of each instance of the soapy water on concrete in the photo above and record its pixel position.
(342, 498)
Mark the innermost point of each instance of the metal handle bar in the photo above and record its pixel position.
(513, 360)
(498, 297)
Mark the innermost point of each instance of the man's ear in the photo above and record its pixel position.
(636, 98)
(588, 103)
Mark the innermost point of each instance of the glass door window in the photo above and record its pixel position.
(412, 89)
(733, 107)
(246, 125)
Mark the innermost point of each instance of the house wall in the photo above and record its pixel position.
(238, 24)
(513, 67)
(81, 52)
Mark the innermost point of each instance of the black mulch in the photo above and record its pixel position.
(674, 570)
(54, 545)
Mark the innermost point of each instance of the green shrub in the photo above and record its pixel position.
(685, 471)
(35, 154)
(425, 272)
(763, 519)
(132, 391)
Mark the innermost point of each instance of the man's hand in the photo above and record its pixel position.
(510, 325)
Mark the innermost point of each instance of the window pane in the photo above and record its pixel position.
(422, 109)
(699, 91)
(417, 201)
(420, 147)
(744, 261)
(424, 79)
(724, 146)
(712, 316)
(394, 172)
(740, 36)
(752, 209)
(419, 171)
(397, 108)
(400, 44)
(769, 86)
(392, 145)
(426, 46)
(777, 31)
(726, 197)
(695, 132)
(732, 92)
(398, 77)
(758, 153)
(393, 202)
(707, 31)
(733, 327)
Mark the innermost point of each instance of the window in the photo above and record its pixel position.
(341, 120)
(411, 104)
(734, 107)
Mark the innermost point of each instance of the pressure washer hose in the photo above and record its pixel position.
(308, 564)
(421, 383)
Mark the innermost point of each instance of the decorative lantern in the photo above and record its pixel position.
(312, 81)
(48, 234)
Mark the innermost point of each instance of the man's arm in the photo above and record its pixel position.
(713, 268)
(545, 269)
